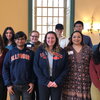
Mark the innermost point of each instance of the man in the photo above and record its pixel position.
(78, 26)
(95, 47)
(34, 41)
(63, 41)
(18, 69)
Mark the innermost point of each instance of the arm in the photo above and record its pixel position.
(60, 79)
(37, 69)
(6, 70)
(32, 64)
(93, 74)
(90, 42)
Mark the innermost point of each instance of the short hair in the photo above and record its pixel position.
(59, 26)
(20, 34)
(79, 22)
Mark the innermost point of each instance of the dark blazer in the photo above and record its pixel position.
(87, 40)
(41, 66)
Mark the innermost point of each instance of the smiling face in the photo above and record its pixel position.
(20, 42)
(34, 37)
(51, 40)
(8, 34)
(76, 38)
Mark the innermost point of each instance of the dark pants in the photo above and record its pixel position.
(21, 90)
(35, 93)
(53, 93)
(3, 90)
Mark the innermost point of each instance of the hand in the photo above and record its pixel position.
(10, 90)
(49, 84)
(54, 85)
(31, 86)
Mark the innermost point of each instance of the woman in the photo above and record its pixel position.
(8, 37)
(34, 41)
(95, 74)
(3, 51)
(50, 67)
(77, 82)
(33, 45)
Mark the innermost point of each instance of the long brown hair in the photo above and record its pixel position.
(96, 55)
(56, 46)
(5, 38)
(1, 44)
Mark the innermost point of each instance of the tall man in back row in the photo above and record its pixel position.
(78, 26)
(63, 41)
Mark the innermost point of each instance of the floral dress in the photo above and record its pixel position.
(77, 82)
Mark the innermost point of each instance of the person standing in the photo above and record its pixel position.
(95, 74)
(18, 72)
(78, 26)
(3, 89)
(8, 37)
(50, 66)
(63, 41)
(77, 82)
(33, 45)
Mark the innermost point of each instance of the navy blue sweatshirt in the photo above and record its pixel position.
(18, 67)
(41, 66)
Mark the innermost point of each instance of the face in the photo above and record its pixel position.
(34, 37)
(8, 34)
(77, 38)
(20, 42)
(59, 31)
(78, 27)
(51, 40)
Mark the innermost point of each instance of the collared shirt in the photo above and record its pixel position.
(63, 41)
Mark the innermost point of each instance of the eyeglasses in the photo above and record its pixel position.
(21, 39)
(34, 36)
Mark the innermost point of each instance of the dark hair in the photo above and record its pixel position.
(96, 55)
(56, 45)
(59, 26)
(5, 38)
(20, 34)
(1, 43)
(34, 31)
(79, 22)
(70, 39)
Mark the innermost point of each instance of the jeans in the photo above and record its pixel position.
(21, 90)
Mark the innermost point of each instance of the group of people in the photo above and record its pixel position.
(59, 69)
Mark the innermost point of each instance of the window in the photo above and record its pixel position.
(46, 14)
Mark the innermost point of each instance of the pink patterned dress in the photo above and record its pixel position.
(77, 82)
